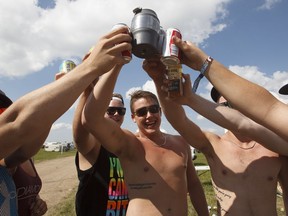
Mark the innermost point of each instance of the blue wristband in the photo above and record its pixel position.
(203, 69)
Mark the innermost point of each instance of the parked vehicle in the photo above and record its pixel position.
(58, 146)
(193, 153)
(53, 146)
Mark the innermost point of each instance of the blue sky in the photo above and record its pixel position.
(249, 37)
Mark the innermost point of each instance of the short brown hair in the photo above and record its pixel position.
(138, 94)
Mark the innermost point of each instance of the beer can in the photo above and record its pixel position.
(171, 53)
(127, 54)
(175, 86)
(66, 66)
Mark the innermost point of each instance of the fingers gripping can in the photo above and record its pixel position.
(171, 53)
(66, 66)
(127, 54)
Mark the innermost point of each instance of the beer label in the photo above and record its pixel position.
(171, 53)
(67, 65)
(174, 85)
(174, 50)
(174, 73)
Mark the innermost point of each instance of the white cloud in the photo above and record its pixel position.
(271, 83)
(32, 38)
(252, 73)
(58, 126)
(130, 91)
(268, 4)
(148, 86)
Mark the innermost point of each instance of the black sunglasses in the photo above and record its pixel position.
(144, 110)
(226, 104)
(120, 110)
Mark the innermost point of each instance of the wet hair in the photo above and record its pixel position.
(138, 94)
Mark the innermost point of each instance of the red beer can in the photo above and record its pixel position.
(127, 54)
(171, 53)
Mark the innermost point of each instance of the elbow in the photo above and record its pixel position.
(89, 121)
(244, 126)
(85, 121)
(28, 129)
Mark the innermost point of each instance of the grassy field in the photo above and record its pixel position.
(44, 155)
(66, 207)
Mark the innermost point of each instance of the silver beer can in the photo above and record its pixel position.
(171, 53)
(66, 66)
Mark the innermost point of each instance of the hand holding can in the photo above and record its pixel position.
(171, 53)
(127, 54)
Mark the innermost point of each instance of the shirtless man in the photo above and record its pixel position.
(263, 107)
(244, 173)
(157, 166)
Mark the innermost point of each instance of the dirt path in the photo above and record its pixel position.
(59, 177)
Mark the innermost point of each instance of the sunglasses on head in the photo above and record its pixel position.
(120, 110)
(144, 110)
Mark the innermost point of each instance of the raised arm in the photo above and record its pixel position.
(80, 134)
(175, 113)
(87, 145)
(107, 131)
(232, 119)
(263, 107)
(26, 124)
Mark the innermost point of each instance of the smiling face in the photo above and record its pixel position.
(146, 113)
(115, 103)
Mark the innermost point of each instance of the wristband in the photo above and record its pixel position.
(203, 69)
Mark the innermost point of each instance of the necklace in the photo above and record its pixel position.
(164, 143)
(244, 148)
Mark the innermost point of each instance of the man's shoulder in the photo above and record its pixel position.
(177, 140)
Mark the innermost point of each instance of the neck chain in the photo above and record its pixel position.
(244, 148)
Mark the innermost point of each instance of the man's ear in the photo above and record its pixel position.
(133, 118)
